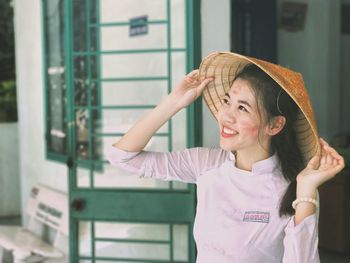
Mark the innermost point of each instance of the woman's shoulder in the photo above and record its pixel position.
(210, 151)
(208, 157)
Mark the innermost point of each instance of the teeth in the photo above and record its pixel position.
(228, 131)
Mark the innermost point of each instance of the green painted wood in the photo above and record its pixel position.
(73, 224)
(136, 206)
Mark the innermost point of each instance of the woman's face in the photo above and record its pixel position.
(239, 120)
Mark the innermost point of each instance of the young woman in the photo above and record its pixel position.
(269, 158)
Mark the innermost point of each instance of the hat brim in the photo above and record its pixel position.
(224, 66)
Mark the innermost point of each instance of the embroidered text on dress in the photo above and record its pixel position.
(256, 216)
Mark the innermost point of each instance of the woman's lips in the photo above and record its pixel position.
(227, 135)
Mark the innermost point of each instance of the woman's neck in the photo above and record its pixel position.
(246, 160)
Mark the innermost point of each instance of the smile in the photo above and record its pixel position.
(226, 132)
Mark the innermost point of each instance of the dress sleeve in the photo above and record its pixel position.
(184, 166)
(301, 241)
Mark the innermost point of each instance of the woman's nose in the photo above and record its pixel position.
(229, 116)
(229, 120)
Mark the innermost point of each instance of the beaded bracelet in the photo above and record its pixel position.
(304, 199)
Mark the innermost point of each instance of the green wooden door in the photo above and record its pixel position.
(124, 57)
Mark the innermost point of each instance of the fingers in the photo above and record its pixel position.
(204, 83)
(337, 160)
(322, 141)
(323, 159)
(328, 150)
(314, 162)
(325, 152)
(193, 77)
(341, 162)
(330, 157)
(193, 73)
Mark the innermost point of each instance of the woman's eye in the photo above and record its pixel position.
(242, 108)
(225, 100)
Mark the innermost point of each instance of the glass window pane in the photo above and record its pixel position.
(134, 231)
(55, 76)
(121, 120)
(134, 65)
(117, 38)
(83, 177)
(85, 90)
(121, 11)
(84, 136)
(178, 67)
(85, 238)
(178, 27)
(180, 242)
(82, 25)
(79, 25)
(133, 92)
(132, 250)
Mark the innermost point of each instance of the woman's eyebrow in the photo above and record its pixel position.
(240, 101)
(245, 103)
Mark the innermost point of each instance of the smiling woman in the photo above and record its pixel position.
(240, 116)
(270, 157)
(266, 115)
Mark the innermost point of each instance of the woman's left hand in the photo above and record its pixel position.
(321, 168)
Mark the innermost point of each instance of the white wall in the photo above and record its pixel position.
(33, 165)
(9, 174)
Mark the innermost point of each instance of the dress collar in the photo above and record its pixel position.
(265, 166)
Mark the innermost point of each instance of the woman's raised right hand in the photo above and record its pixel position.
(189, 89)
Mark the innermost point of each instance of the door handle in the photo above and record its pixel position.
(69, 162)
(78, 204)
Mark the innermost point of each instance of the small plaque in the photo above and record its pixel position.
(293, 16)
(138, 26)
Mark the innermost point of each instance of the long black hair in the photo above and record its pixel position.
(276, 102)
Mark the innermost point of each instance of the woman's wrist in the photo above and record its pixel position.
(173, 100)
(305, 200)
(306, 191)
(304, 209)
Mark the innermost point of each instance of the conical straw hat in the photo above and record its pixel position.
(224, 66)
